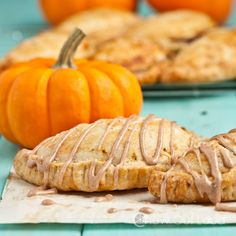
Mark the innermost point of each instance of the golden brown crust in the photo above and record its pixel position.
(209, 58)
(99, 21)
(45, 45)
(98, 24)
(180, 184)
(76, 176)
(132, 173)
(172, 29)
(181, 187)
(141, 56)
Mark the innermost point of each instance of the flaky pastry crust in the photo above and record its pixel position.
(209, 58)
(110, 154)
(204, 174)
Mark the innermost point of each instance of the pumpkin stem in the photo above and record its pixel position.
(68, 50)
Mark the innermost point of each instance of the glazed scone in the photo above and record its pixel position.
(98, 25)
(110, 154)
(141, 56)
(204, 174)
(209, 58)
(172, 29)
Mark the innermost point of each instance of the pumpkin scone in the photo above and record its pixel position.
(98, 25)
(110, 154)
(45, 45)
(99, 20)
(172, 29)
(141, 56)
(209, 58)
(203, 174)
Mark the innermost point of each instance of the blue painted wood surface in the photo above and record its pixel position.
(206, 115)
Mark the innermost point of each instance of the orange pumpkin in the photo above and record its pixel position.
(42, 97)
(56, 11)
(217, 9)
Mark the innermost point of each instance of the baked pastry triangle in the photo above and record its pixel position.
(209, 58)
(172, 29)
(203, 174)
(98, 24)
(141, 56)
(110, 154)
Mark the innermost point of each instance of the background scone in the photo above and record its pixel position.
(172, 29)
(98, 24)
(110, 154)
(204, 174)
(141, 56)
(209, 58)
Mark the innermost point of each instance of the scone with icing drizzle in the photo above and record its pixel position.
(110, 154)
(203, 174)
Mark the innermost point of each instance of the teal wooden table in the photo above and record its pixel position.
(206, 115)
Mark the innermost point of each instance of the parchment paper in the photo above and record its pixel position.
(79, 207)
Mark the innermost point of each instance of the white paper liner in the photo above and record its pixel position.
(80, 207)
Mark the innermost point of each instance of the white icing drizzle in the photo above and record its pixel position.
(123, 156)
(93, 179)
(225, 144)
(163, 192)
(153, 159)
(47, 161)
(204, 185)
(172, 150)
(228, 163)
(112, 123)
(75, 148)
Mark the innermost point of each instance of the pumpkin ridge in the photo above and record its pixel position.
(10, 130)
(88, 72)
(48, 106)
(114, 83)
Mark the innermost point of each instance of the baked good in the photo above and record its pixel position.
(203, 174)
(209, 58)
(172, 29)
(100, 21)
(110, 154)
(98, 24)
(141, 56)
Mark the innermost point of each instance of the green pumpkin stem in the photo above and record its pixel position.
(65, 59)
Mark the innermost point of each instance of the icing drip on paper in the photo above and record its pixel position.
(225, 207)
(106, 198)
(147, 210)
(114, 210)
(47, 202)
(41, 191)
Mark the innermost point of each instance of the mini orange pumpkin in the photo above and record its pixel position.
(38, 100)
(56, 11)
(217, 9)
